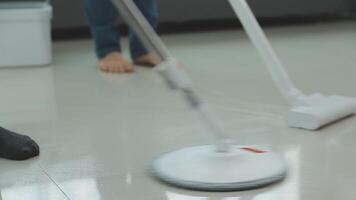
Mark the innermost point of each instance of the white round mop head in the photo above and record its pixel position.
(203, 168)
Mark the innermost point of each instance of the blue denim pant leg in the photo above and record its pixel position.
(103, 19)
(150, 11)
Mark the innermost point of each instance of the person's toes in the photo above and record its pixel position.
(15, 146)
(34, 147)
(30, 149)
(23, 153)
(128, 68)
(26, 153)
(148, 60)
(115, 63)
(110, 68)
(107, 68)
(103, 67)
(120, 69)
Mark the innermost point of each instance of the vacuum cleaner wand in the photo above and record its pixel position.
(309, 111)
(171, 70)
(265, 50)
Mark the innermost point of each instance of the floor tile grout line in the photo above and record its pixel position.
(53, 181)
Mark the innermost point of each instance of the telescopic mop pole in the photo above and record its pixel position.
(170, 70)
(264, 48)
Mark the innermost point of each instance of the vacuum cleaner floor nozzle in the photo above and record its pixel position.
(315, 110)
(321, 111)
(203, 168)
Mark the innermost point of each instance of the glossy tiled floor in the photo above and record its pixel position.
(98, 132)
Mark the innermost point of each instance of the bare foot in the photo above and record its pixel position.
(115, 63)
(149, 59)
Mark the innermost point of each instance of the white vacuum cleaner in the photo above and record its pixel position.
(221, 167)
(308, 111)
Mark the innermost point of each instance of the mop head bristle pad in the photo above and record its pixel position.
(203, 168)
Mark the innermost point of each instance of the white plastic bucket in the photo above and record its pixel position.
(25, 34)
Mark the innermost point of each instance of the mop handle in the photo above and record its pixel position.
(169, 68)
(265, 50)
